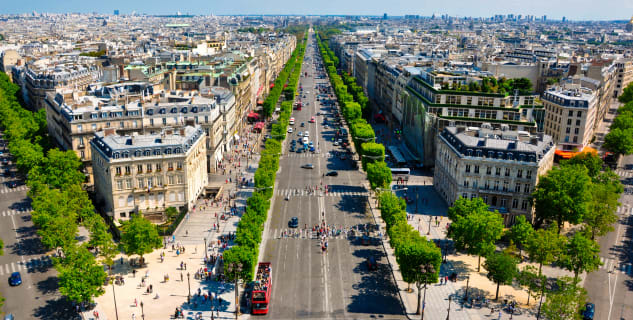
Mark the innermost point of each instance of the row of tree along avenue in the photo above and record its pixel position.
(619, 140)
(354, 107)
(240, 260)
(574, 203)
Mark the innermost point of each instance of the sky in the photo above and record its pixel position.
(554, 9)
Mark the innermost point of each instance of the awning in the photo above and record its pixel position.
(253, 115)
(397, 154)
(272, 85)
(260, 125)
(570, 154)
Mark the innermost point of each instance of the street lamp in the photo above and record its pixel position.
(430, 218)
(142, 311)
(467, 283)
(116, 310)
(425, 270)
(448, 315)
(189, 285)
(236, 268)
(206, 257)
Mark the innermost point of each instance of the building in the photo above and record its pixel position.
(433, 103)
(500, 166)
(624, 75)
(571, 113)
(148, 173)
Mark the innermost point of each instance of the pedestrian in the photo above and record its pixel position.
(135, 302)
(133, 316)
(445, 279)
(181, 279)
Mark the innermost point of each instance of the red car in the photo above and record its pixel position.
(312, 120)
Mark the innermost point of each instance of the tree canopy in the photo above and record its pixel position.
(580, 254)
(502, 268)
(80, 277)
(379, 175)
(139, 236)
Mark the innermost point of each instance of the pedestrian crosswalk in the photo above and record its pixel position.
(624, 173)
(9, 190)
(302, 234)
(624, 209)
(8, 213)
(29, 265)
(333, 193)
(615, 266)
(309, 155)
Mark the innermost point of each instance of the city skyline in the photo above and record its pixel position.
(577, 10)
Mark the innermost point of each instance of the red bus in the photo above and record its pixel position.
(262, 289)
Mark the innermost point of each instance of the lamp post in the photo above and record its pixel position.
(448, 315)
(188, 285)
(467, 283)
(206, 257)
(425, 270)
(142, 311)
(116, 310)
(429, 232)
(236, 268)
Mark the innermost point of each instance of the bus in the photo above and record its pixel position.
(400, 174)
(262, 288)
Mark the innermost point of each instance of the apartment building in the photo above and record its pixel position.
(148, 172)
(500, 166)
(430, 106)
(624, 75)
(571, 113)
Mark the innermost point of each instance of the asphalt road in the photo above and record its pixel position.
(37, 297)
(611, 287)
(308, 284)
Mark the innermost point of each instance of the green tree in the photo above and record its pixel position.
(139, 236)
(623, 121)
(413, 254)
(244, 256)
(545, 246)
(589, 160)
(80, 277)
(563, 195)
(601, 216)
(477, 231)
(580, 254)
(502, 268)
(528, 277)
(566, 302)
(372, 152)
(379, 175)
(101, 240)
(520, 233)
(1, 247)
(59, 169)
(57, 222)
(627, 94)
(352, 111)
(619, 141)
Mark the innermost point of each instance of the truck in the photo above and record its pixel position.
(260, 298)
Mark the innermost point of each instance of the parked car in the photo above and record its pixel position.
(332, 173)
(589, 311)
(289, 130)
(308, 166)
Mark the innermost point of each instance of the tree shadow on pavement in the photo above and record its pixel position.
(48, 285)
(56, 309)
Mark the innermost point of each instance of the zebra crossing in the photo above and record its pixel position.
(8, 213)
(334, 193)
(309, 155)
(16, 189)
(301, 234)
(29, 265)
(614, 266)
(624, 173)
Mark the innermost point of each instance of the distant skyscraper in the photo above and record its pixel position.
(384, 16)
(116, 12)
(564, 19)
(544, 18)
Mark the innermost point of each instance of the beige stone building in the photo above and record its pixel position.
(500, 166)
(624, 75)
(148, 173)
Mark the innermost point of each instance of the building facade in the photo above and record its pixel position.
(150, 172)
(501, 167)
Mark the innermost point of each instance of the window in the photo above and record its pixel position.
(139, 168)
(128, 183)
(170, 166)
(179, 165)
(475, 184)
(180, 179)
(149, 167)
(485, 198)
(79, 128)
(571, 113)
(526, 188)
(577, 122)
(576, 130)
(117, 170)
(159, 167)
(498, 171)
(517, 188)
(503, 203)
(507, 172)
(151, 122)
(515, 203)
(119, 184)
(476, 169)
(159, 181)
(121, 124)
(150, 182)
(488, 170)
(506, 186)
(466, 183)
(579, 114)
(519, 173)
(567, 130)
(141, 183)
(94, 127)
(467, 168)
(528, 174)
(575, 139)
(130, 200)
(487, 185)
(170, 180)
(496, 185)
(569, 122)
(465, 195)
(128, 170)
(524, 205)
(164, 121)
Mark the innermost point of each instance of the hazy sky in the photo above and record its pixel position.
(554, 9)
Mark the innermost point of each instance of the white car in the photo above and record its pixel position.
(336, 143)
(306, 134)
(292, 121)
(289, 130)
(300, 133)
(305, 140)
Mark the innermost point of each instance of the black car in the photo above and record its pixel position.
(332, 174)
(293, 223)
(308, 166)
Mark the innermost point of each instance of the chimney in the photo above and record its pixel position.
(182, 132)
(109, 132)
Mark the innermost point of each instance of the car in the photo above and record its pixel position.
(300, 133)
(289, 130)
(292, 148)
(308, 166)
(13, 184)
(336, 143)
(312, 120)
(312, 149)
(299, 150)
(9, 317)
(371, 263)
(294, 142)
(292, 121)
(305, 140)
(311, 144)
(15, 279)
(293, 223)
(332, 173)
(365, 240)
(303, 124)
(589, 311)
(325, 126)
(306, 134)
